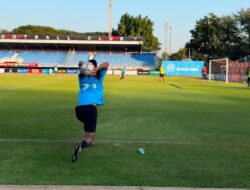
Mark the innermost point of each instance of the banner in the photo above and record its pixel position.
(61, 71)
(64, 37)
(183, 68)
(35, 71)
(131, 73)
(142, 72)
(154, 72)
(13, 70)
(23, 71)
(45, 71)
(13, 64)
(72, 71)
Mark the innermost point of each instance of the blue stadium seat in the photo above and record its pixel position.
(48, 58)
(79, 56)
(136, 60)
(6, 54)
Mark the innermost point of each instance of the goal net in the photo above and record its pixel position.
(218, 69)
(227, 70)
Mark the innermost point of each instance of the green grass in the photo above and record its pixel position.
(195, 133)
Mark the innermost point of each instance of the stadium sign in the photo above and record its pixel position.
(22, 70)
(60, 37)
(183, 68)
(142, 72)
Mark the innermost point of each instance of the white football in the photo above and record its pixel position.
(86, 67)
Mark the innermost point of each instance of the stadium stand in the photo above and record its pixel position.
(133, 60)
(6, 54)
(44, 58)
(66, 51)
(78, 56)
(71, 58)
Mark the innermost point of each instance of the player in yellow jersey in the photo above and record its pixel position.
(162, 73)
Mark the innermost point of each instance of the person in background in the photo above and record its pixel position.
(162, 74)
(123, 71)
(204, 72)
(248, 77)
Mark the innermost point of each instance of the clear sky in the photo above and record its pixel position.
(92, 15)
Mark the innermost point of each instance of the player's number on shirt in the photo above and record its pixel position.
(87, 86)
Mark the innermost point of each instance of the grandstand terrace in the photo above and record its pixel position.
(67, 51)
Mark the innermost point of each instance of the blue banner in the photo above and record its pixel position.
(72, 71)
(183, 68)
(48, 71)
(23, 70)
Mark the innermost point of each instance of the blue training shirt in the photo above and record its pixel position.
(91, 89)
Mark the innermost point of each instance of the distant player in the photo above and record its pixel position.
(90, 96)
(123, 71)
(204, 72)
(162, 73)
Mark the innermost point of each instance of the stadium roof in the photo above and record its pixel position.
(114, 43)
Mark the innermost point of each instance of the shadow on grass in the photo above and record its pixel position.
(176, 86)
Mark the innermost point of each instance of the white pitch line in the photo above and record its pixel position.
(82, 187)
(123, 142)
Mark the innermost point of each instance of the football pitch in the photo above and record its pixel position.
(195, 133)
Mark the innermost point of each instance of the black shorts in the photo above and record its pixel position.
(87, 114)
(161, 75)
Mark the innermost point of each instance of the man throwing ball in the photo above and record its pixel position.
(89, 97)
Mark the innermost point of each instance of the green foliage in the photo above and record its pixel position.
(139, 27)
(165, 55)
(216, 37)
(32, 30)
(4, 31)
(180, 55)
(46, 30)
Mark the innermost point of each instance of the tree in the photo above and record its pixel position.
(165, 55)
(180, 55)
(216, 37)
(32, 30)
(46, 30)
(4, 31)
(130, 26)
(243, 17)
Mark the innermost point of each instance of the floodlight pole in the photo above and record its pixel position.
(170, 39)
(110, 19)
(227, 70)
(166, 37)
(209, 76)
